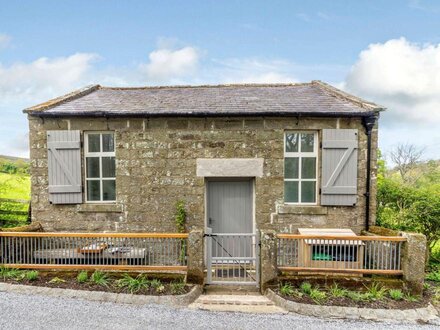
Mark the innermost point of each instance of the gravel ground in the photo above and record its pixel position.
(18, 311)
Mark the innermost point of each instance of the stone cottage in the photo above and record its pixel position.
(241, 157)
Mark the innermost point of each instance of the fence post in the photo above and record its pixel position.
(268, 259)
(413, 261)
(195, 273)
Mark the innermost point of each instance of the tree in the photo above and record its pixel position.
(406, 156)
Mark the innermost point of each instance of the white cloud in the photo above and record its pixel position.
(252, 71)
(44, 77)
(403, 76)
(167, 64)
(5, 40)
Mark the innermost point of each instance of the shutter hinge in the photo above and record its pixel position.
(81, 143)
(320, 191)
(320, 145)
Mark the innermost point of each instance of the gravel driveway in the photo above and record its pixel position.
(18, 311)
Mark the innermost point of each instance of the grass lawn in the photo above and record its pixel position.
(15, 186)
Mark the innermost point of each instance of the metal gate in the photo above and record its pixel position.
(232, 258)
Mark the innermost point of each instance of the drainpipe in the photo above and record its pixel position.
(368, 123)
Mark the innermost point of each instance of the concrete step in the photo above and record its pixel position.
(231, 290)
(251, 303)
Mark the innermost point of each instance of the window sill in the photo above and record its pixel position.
(100, 208)
(302, 209)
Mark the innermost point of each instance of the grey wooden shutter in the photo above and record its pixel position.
(339, 166)
(64, 165)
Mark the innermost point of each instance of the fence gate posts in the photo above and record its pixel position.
(195, 250)
(268, 258)
(413, 261)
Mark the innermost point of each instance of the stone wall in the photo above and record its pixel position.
(156, 166)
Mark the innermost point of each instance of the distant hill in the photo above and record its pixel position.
(14, 159)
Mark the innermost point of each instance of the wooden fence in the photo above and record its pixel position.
(110, 251)
(14, 212)
(340, 254)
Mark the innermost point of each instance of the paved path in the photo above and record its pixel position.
(19, 311)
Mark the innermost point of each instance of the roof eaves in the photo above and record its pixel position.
(348, 97)
(62, 99)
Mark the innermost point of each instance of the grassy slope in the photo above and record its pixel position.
(15, 186)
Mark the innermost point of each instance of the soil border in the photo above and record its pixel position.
(419, 315)
(124, 298)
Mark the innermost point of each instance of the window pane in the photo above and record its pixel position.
(291, 168)
(308, 191)
(108, 167)
(307, 140)
(92, 170)
(93, 190)
(292, 142)
(291, 191)
(108, 190)
(308, 168)
(94, 143)
(108, 143)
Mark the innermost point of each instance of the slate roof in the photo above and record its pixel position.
(306, 99)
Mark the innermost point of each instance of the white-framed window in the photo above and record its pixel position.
(100, 166)
(300, 167)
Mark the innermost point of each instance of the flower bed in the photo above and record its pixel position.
(373, 296)
(97, 281)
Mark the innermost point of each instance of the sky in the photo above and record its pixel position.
(387, 52)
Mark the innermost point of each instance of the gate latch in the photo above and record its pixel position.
(209, 235)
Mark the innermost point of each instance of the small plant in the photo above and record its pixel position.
(82, 277)
(177, 287)
(376, 292)
(57, 280)
(13, 274)
(132, 284)
(317, 295)
(396, 294)
(426, 286)
(306, 287)
(155, 283)
(286, 289)
(337, 292)
(356, 296)
(409, 297)
(99, 278)
(32, 275)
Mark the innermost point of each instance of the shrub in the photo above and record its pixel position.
(132, 284)
(396, 294)
(317, 295)
(286, 289)
(306, 287)
(82, 277)
(177, 287)
(376, 292)
(434, 276)
(99, 278)
(32, 275)
(337, 292)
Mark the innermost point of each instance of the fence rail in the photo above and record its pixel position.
(340, 254)
(111, 251)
